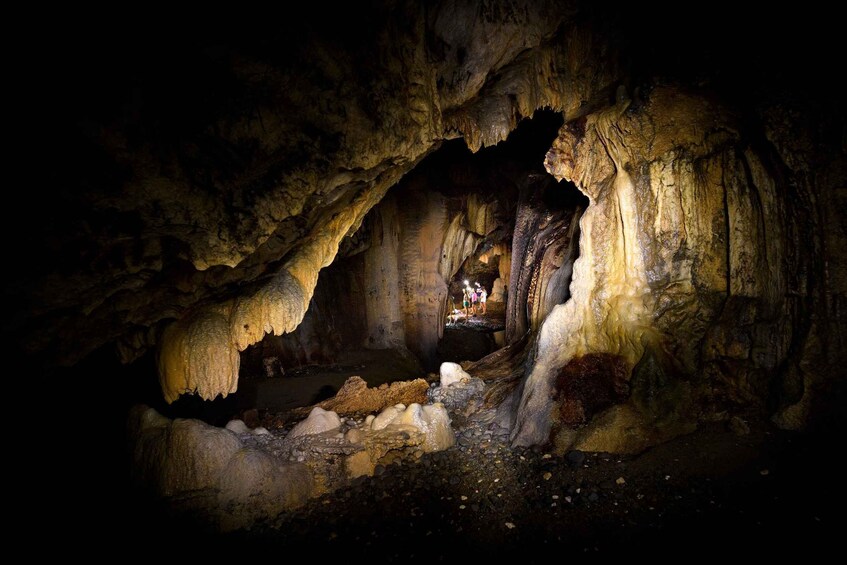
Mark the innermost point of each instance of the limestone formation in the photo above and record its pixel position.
(452, 373)
(498, 293)
(355, 397)
(231, 484)
(318, 422)
(431, 419)
(205, 198)
(681, 231)
(209, 471)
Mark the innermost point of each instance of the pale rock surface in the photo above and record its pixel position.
(387, 416)
(318, 422)
(432, 420)
(498, 291)
(238, 427)
(211, 470)
(256, 486)
(451, 373)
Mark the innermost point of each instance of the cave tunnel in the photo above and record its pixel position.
(235, 284)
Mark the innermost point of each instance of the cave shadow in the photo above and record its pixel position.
(324, 393)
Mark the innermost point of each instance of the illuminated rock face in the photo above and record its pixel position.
(391, 291)
(235, 203)
(196, 222)
(543, 250)
(685, 274)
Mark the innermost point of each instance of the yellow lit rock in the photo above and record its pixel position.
(197, 356)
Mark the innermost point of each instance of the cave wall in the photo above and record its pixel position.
(502, 253)
(542, 253)
(393, 293)
(451, 218)
(197, 211)
(383, 301)
(406, 293)
(424, 216)
(698, 256)
(555, 267)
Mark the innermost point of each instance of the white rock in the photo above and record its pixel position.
(431, 419)
(238, 427)
(386, 417)
(452, 373)
(318, 422)
(354, 435)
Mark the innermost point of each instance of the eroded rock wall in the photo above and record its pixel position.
(196, 190)
(542, 254)
(690, 262)
(420, 240)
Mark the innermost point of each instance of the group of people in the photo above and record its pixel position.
(473, 299)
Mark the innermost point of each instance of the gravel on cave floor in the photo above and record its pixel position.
(713, 494)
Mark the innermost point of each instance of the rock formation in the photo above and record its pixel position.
(208, 193)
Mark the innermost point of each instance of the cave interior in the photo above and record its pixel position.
(272, 225)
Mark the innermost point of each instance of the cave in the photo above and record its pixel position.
(236, 269)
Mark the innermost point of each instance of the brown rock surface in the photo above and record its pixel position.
(356, 398)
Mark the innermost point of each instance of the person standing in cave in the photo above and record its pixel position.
(483, 296)
(466, 299)
(474, 300)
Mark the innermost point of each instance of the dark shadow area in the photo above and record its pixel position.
(325, 392)
(309, 384)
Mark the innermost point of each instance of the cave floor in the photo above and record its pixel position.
(470, 338)
(710, 494)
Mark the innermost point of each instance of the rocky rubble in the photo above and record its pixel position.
(378, 490)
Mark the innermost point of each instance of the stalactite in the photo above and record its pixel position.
(199, 353)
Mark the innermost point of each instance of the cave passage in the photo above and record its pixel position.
(225, 227)
(382, 309)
